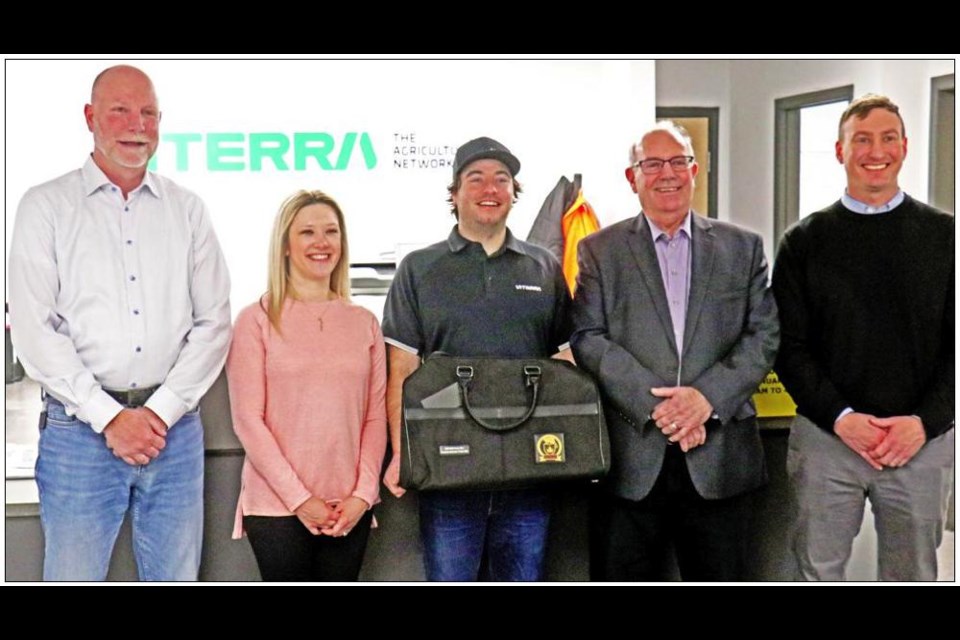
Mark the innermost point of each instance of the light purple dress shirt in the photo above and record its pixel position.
(674, 254)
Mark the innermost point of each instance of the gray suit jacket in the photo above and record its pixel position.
(624, 337)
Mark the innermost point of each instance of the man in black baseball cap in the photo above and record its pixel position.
(483, 148)
(481, 292)
(484, 203)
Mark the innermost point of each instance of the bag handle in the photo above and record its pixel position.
(532, 373)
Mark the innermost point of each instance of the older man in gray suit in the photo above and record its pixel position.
(674, 318)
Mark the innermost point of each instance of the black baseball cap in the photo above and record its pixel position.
(481, 149)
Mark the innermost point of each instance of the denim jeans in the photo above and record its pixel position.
(85, 491)
(455, 526)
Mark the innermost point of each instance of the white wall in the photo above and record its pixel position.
(908, 83)
(745, 91)
(702, 83)
(559, 117)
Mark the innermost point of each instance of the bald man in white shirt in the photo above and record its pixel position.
(119, 307)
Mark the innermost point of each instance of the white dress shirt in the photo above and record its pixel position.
(107, 293)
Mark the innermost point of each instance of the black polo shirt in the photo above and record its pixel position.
(453, 297)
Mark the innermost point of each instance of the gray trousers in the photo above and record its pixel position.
(830, 484)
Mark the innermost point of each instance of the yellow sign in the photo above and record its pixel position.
(550, 448)
(772, 399)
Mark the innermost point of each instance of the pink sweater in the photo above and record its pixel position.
(308, 406)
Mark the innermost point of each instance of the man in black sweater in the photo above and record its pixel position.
(865, 290)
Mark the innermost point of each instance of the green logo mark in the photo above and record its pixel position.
(253, 151)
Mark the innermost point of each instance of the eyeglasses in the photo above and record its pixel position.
(652, 166)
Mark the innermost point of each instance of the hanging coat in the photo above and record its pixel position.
(579, 221)
(565, 218)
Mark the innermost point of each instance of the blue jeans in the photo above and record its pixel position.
(455, 525)
(85, 491)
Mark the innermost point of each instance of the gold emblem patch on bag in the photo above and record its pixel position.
(549, 447)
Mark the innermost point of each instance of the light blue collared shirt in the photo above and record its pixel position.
(856, 206)
(673, 254)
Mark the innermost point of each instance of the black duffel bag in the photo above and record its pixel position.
(496, 423)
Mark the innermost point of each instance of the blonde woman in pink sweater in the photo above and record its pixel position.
(307, 381)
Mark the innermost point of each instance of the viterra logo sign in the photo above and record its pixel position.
(269, 151)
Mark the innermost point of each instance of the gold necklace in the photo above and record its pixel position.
(326, 308)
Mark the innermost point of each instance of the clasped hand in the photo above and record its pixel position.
(335, 518)
(881, 442)
(136, 436)
(682, 415)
